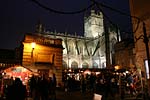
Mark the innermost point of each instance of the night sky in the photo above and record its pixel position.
(18, 17)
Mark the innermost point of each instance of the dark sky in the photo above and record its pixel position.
(18, 17)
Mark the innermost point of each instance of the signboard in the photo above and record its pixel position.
(97, 97)
(45, 58)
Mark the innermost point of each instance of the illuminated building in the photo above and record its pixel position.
(93, 50)
(42, 55)
(88, 51)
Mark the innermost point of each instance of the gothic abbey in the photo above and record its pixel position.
(88, 51)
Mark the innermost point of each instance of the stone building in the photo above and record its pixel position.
(141, 13)
(125, 54)
(88, 51)
(141, 27)
(42, 55)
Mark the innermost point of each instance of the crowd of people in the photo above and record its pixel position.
(104, 83)
(108, 84)
(16, 91)
(43, 88)
(38, 88)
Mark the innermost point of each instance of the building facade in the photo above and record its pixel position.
(141, 11)
(88, 51)
(43, 55)
(141, 28)
(125, 54)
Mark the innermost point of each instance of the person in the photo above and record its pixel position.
(54, 83)
(130, 81)
(50, 87)
(37, 93)
(32, 85)
(108, 93)
(44, 88)
(83, 84)
(92, 81)
(66, 83)
(102, 82)
(17, 91)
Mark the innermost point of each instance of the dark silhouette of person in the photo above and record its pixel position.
(17, 91)
(92, 82)
(108, 93)
(44, 88)
(37, 95)
(54, 84)
(83, 84)
(50, 87)
(54, 80)
(32, 84)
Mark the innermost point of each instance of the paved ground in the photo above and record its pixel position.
(74, 95)
(77, 95)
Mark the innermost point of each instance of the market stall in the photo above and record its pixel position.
(17, 71)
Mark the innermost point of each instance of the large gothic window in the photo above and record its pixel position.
(85, 65)
(74, 65)
(113, 42)
(81, 49)
(71, 47)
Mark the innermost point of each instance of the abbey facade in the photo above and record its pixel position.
(88, 51)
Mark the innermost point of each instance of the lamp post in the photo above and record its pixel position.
(33, 44)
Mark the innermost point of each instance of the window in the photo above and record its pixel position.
(90, 50)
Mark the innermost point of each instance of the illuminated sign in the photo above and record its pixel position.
(44, 41)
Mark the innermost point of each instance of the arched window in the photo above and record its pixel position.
(85, 65)
(113, 42)
(74, 65)
(95, 65)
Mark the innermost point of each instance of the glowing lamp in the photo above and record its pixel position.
(117, 67)
(33, 44)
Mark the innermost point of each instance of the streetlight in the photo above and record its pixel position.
(33, 44)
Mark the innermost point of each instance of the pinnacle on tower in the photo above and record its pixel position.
(39, 27)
